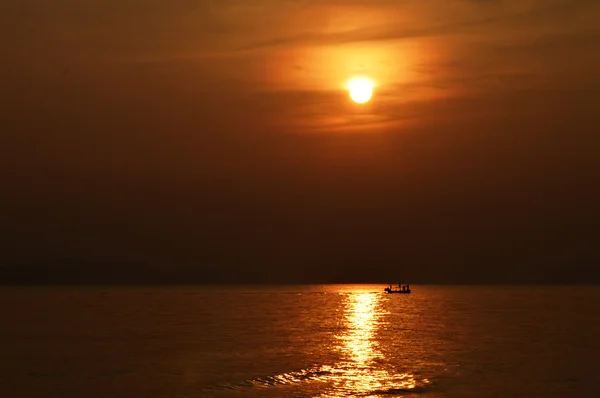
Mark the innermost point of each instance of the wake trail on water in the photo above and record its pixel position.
(337, 379)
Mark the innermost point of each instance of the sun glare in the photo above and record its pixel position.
(361, 89)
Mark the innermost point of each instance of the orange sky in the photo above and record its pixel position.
(205, 53)
(112, 105)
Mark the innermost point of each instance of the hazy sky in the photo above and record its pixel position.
(201, 134)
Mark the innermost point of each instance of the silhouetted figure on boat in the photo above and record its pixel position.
(400, 289)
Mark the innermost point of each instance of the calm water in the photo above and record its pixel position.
(300, 341)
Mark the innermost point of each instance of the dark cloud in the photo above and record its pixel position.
(378, 34)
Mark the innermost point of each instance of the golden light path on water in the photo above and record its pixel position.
(364, 369)
(362, 372)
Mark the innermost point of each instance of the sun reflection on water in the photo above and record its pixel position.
(363, 369)
(365, 366)
(361, 316)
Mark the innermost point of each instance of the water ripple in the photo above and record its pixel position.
(341, 377)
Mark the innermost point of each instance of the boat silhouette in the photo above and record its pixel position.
(402, 289)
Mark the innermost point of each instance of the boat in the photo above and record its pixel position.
(401, 289)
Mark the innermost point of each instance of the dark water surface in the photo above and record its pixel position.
(300, 341)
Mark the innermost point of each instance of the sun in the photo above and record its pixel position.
(361, 89)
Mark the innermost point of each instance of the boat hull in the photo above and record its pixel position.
(392, 291)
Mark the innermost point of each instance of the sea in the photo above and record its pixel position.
(319, 341)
